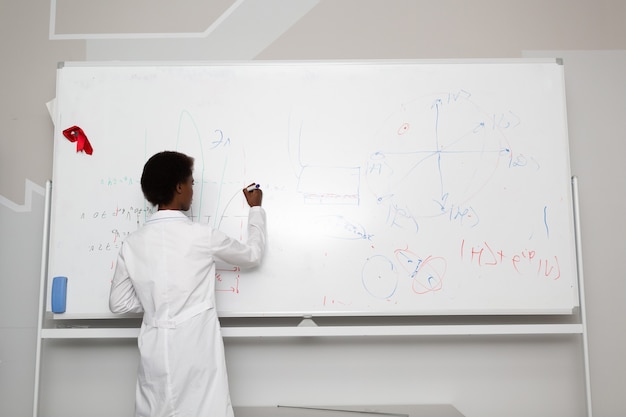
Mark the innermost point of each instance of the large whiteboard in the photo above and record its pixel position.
(391, 187)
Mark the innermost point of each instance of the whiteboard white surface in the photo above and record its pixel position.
(391, 188)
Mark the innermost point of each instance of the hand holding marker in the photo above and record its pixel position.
(253, 194)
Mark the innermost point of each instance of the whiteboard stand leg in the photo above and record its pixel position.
(581, 294)
(307, 321)
(42, 295)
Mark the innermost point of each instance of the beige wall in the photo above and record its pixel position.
(540, 376)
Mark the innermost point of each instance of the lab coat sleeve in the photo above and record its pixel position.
(247, 254)
(122, 297)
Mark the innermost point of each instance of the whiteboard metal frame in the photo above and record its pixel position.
(581, 293)
(121, 64)
(42, 294)
(383, 61)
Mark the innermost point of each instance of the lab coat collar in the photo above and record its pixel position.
(167, 215)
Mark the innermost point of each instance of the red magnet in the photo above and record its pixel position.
(76, 134)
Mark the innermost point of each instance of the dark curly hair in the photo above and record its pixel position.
(162, 173)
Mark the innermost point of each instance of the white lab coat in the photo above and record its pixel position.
(166, 270)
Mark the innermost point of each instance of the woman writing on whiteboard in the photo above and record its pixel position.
(166, 270)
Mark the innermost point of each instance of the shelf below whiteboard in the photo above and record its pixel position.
(330, 331)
